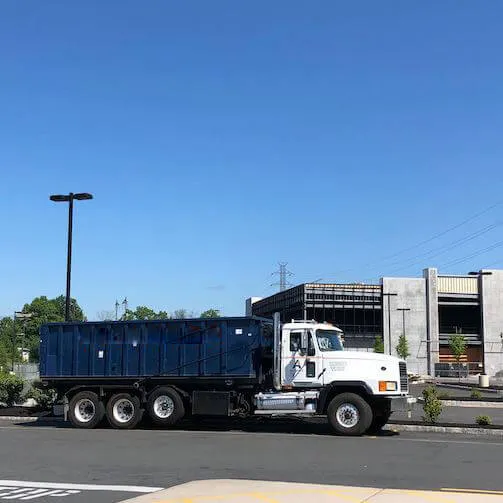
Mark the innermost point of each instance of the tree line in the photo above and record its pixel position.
(23, 334)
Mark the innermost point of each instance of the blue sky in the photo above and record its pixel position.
(221, 137)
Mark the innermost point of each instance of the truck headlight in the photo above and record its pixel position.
(387, 386)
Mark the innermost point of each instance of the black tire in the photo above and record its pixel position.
(378, 423)
(124, 411)
(169, 411)
(381, 413)
(349, 414)
(86, 410)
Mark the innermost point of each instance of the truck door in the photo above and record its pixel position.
(298, 359)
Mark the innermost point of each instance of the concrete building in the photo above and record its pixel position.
(428, 309)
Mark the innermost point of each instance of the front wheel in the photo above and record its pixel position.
(349, 414)
(381, 413)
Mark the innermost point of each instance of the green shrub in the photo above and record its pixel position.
(378, 345)
(11, 389)
(432, 405)
(45, 397)
(483, 420)
(476, 393)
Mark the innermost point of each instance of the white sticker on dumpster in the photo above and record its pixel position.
(100, 354)
(239, 331)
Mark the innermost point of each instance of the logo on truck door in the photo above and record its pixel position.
(338, 366)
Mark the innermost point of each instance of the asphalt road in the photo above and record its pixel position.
(286, 451)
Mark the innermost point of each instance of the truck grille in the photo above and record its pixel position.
(404, 381)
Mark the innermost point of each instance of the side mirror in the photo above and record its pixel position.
(311, 352)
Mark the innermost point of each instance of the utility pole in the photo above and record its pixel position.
(388, 295)
(116, 309)
(125, 305)
(283, 274)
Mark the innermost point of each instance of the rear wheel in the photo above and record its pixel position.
(349, 414)
(86, 410)
(165, 406)
(123, 411)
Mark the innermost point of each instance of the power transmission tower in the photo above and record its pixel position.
(283, 274)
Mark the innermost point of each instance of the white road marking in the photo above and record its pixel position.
(29, 493)
(33, 493)
(13, 484)
(12, 490)
(44, 492)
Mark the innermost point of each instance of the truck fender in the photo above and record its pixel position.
(336, 387)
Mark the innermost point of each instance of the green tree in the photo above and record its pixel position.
(8, 354)
(378, 345)
(43, 310)
(180, 314)
(457, 345)
(402, 348)
(145, 313)
(210, 313)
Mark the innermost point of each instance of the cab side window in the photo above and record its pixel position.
(310, 345)
(295, 341)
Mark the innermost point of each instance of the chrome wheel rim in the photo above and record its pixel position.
(348, 415)
(163, 406)
(123, 410)
(84, 410)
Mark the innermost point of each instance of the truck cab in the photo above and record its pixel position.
(313, 356)
(315, 375)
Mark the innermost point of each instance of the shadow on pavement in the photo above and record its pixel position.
(295, 426)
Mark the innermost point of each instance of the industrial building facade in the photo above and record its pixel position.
(428, 310)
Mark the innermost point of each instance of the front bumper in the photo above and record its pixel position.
(403, 403)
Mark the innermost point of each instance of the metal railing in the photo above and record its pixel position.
(452, 369)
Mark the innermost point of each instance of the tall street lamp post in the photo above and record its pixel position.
(69, 198)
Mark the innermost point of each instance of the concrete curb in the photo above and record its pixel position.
(473, 404)
(245, 491)
(468, 403)
(478, 432)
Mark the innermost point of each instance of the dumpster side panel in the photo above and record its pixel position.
(180, 348)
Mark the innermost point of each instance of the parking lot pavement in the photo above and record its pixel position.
(277, 451)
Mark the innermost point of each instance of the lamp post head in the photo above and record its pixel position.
(59, 198)
(82, 196)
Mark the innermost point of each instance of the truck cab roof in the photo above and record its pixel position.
(307, 324)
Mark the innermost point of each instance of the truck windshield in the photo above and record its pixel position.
(329, 340)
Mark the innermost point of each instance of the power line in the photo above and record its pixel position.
(443, 249)
(472, 255)
(283, 274)
(421, 243)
